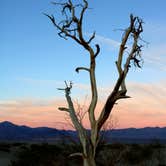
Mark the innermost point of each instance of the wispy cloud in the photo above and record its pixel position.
(145, 108)
(155, 56)
(55, 83)
(46, 82)
(157, 30)
(33, 112)
(8, 103)
(105, 41)
(110, 43)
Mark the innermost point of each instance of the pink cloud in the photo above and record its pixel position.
(33, 112)
(145, 108)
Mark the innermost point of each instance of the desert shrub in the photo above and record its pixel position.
(138, 153)
(15, 144)
(5, 147)
(46, 155)
(156, 144)
(109, 154)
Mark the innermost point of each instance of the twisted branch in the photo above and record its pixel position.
(119, 91)
(82, 68)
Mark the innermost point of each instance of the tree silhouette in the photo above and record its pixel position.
(71, 26)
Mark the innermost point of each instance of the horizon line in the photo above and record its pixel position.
(6, 121)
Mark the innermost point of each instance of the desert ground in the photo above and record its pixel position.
(44, 154)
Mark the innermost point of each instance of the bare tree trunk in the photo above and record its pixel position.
(89, 161)
(71, 27)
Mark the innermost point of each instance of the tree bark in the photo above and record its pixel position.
(71, 27)
(89, 161)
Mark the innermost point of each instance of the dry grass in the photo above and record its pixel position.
(57, 155)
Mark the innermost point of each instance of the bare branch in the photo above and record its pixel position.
(91, 38)
(63, 30)
(110, 124)
(97, 50)
(71, 26)
(76, 154)
(83, 10)
(81, 68)
(60, 88)
(134, 30)
(78, 126)
(81, 111)
(63, 109)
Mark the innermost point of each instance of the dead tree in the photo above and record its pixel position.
(71, 26)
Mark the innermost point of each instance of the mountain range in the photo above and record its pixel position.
(13, 132)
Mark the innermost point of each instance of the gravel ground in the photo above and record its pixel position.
(5, 158)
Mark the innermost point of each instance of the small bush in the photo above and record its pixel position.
(5, 147)
(138, 153)
(106, 155)
(46, 155)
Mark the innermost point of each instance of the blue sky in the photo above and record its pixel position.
(34, 61)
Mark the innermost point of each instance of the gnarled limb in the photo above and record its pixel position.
(63, 109)
(71, 26)
(81, 68)
(119, 91)
(74, 118)
(76, 154)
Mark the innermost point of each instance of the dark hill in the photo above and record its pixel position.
(13, 132)
(141, 135)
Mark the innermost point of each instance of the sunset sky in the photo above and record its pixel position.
(35, 61)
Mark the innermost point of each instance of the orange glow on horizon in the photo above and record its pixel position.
(146, 108)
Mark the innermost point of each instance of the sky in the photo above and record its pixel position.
(35, 61)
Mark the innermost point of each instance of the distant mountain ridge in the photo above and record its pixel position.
(13, 132)
(140, 135)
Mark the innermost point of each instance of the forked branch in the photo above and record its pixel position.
(119, 91)
(82, 68)
(71, 26)
(71, 110)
